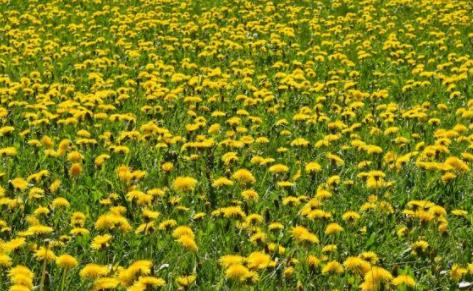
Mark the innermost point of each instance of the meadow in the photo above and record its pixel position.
(236, 145)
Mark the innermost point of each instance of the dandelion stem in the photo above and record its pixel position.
(43, 272)
(63, 279)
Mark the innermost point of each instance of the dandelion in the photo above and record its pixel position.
(275, 226)
(329, 249)
(335, 159)
(188, 242)
(21, 277)
(75, 157)
(54, 187)
(105, 283)
(60, 202)
(101, 241)
(5, 260)
(357, 265)
(19, 184)
(288, 272)
(375, 278)
(184, 184)
(238, 272)
(66, 261)
(457, 164)
(351, 216)
(182, 231)
(8, 152)
(302, 234)
(148, 281)
(229, 157)
(75, 170)
(124, 174)
(244, 176)
(313, 167)
(371, 257)
(405, 280)
(185, 281)
(45, 254)
(278, 169)
(333, 228)
(92, 271)
(167, 167)
(229, 260)
(222, 181)
(300, 142)
(457, 272)
(101, 159)
(250, 195)
(258, 260)
(332, 267)
(419, 247)
(448, 177)
(313, 261)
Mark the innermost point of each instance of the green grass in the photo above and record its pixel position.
(138, 46)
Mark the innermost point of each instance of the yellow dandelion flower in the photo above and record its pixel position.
(185, 281)
(332, 267)
(278, 169)
(333, 228)
(188, 242)
(92, 271)
(75, 170)
(313, 167)
(258, 260)
(244, 176)
(101, 241)
(375, 278)
(302, 234)
(237, 272)
(19, 184)
(184, 184)
(357, 265)
(66, 261)
(405, 280)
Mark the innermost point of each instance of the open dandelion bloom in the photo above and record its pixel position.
(244, 176)
(91, 271)
(333, 228)
(66, 261)
(184, 184)
(185, 281)
(239, 272)
(375, 278)
(332, 267)
(313, 167)
(404, 280)
(357, 265)
(19, 183)
(21, 278)
(188, 242)
(302, 234)
(259, 260)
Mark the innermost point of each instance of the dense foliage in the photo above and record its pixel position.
(214, 145)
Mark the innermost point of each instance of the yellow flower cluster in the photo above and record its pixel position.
(302, 145)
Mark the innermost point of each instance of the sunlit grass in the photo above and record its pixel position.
(246, 145)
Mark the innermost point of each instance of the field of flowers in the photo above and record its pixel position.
(236, 145)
